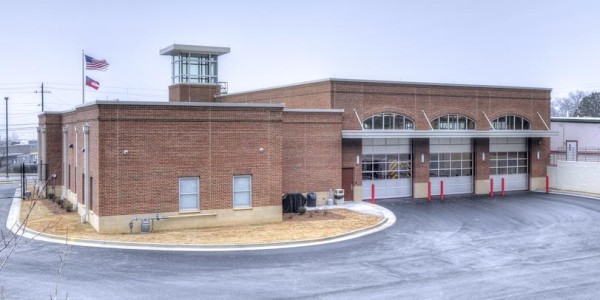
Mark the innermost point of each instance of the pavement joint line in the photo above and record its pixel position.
(13, 223)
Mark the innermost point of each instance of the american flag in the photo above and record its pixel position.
(95, 64)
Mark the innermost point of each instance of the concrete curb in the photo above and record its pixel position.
(13, 224)
(571, 193)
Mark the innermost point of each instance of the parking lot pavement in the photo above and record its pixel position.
(526, 245)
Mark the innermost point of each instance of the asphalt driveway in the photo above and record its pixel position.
(526, 245)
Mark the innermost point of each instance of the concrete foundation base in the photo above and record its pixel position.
(537, 183)
(482, 187)
(177, 220)
(420, 189)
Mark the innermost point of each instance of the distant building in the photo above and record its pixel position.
(577, 139)
(208, 158)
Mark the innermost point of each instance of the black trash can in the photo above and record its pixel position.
(311, 200)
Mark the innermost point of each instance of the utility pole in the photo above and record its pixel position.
(43, 92)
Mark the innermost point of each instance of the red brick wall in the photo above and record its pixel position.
(369, 98)
(538, 166)
(193, 92)
(164, 144)
(54, 143)
(312, 151)
(308, 95)
(168, 142)
(420, 170)
(481, 168)
(75, 121)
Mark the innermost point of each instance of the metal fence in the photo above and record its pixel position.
(582, 154)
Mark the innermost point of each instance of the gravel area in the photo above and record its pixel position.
(46, 216)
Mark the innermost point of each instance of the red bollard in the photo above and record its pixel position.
(547, 184)
(429, 191)
(491, 187)
(372, 193)
(502, 187)
(442, 190)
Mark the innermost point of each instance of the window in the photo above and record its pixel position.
(511, 123)
(386, 166)
(192, 67)
(453, 122)
(242, 191)
(506, 163)
(389, 121)
(450, 164)
(189, 193)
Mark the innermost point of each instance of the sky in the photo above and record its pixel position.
(550, 44)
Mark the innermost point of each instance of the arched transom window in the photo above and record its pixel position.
(511, 123)
(453, 122)
(389, 121)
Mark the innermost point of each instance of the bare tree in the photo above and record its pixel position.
(567, 106)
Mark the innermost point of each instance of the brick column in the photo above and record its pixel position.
(481, 165)
(538, 170)
(420, 168)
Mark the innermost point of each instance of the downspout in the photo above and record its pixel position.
(86, 167)
(39, 159)
(43, 158)
(65, 165)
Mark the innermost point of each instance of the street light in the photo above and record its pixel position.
(6, 98)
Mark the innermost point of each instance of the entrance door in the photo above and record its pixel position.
(571, 150)
(348, 183)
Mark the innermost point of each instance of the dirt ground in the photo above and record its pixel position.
(46, 216)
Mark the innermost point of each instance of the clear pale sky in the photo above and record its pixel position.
(553, 44)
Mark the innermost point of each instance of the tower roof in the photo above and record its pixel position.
(176, 49)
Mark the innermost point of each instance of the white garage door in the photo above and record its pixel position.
(387, 164)
(509, 160)
(451, 161)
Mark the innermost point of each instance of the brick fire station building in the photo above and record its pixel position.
(207, 157)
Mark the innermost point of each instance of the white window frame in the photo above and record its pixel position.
(197, 193)
(234, 192)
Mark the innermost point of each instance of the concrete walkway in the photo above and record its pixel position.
(13, 224)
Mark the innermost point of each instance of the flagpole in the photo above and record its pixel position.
(82, 77)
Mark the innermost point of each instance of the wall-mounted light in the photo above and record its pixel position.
(422, 158)
(482, 156)
(71, 146)
(537, 155)
(358, 159)
(261, 150)
(125, 152)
